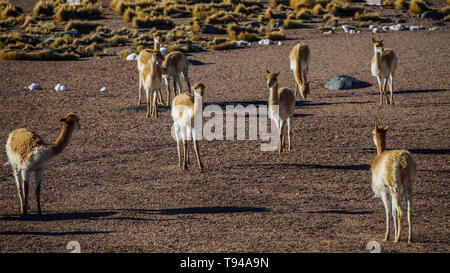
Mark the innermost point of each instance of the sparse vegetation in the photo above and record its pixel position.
(375, 16)
(417, 7)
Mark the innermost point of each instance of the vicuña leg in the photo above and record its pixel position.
(38, 178)
(391, 87)
(387, 208)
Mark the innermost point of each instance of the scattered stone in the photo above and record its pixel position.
(132, 57)
(103, 89)
(210, 29)
(375, 30)
(280, 43)
(266, 42)
(433, 28)
(35, 86)
(276, 25)
(374, 2)
(164, 51)
(328, 32)
(243, 43)
(343, 82)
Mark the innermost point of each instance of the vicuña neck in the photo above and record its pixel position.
(63, 140)
(273, 94)
(198, 103)
(381, 144)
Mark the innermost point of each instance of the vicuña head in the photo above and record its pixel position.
(27, 152)
(272, 79)
(378, 45)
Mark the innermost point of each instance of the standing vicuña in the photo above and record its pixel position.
(284, 99)
(175, 63)
(299, 59)
(151, 78)
(185, 109)
(27, 152)
(392, 171)
(384, 63)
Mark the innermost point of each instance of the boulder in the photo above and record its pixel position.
(343, 82)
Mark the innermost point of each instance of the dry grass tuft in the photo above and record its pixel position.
(67, 12)
(374, 16)
(417, 7)
(160, 22)
(224, 46)
(81, 26)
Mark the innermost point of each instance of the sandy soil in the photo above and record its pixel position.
(117, 187)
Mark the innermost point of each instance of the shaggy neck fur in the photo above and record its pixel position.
(380, 141)
(273, 94)
(63, 140)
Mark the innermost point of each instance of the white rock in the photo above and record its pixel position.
(280, 43)
(328, 32)
(164, 51)
(385, 28)
(243, 43)
(371, 27)
(58, 87)
(375, 30)
(433, 28)
(35, 86)
(132, 57)
(265, 42)
(103, 89)
(351, 31)
(62, 88)
(345, 28)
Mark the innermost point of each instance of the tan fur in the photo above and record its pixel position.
(23, 142)
(384, 63)
(285, 99)
(27, 152)
(174, 65)
(185, 108)
(393, 171)
(150, 77)
(300, 56)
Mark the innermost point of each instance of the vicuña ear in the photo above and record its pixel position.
(373, 40)
(386, 128)
(268, 72)
(63, 120)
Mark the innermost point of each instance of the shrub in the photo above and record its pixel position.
(339, 9)
(224, 46)
(276, 35)
(417, 7)
(41, 28)
(375, 16)
(401, 4)
(39, 55)
(318, 10)
(222, 18)
(67, 12)
(157, 22)
(81, 26)
(276, 3)
(43, 8)
(288, 23)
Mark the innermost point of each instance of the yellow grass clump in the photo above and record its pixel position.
(224, 46)
(160, 22)
(374, 16)
(417, 7)
(401, 4)
(67, 12)
(81, 26)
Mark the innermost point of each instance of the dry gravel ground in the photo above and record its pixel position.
(117, 187)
